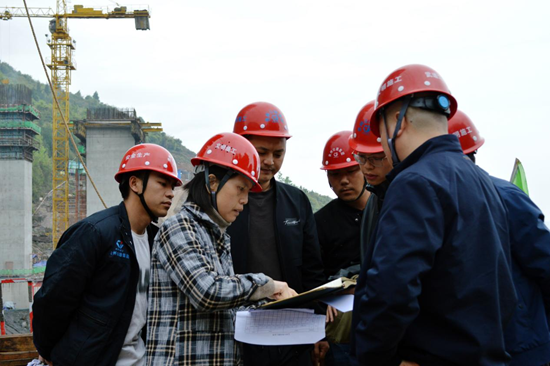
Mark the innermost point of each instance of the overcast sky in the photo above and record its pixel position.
(319, 62)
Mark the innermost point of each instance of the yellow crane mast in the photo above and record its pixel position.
(61, 65)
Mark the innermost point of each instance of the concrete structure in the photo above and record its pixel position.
(105, 147)
(17, 143)
(16, 214)
(108, 133)
(77, 191)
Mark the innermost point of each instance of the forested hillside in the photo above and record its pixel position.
(42, 164)
(42, 100)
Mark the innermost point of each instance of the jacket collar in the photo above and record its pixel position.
(217, 218)
(274, 184)
(438, 144)
(379, 190)
(194, 210)
(123, 214)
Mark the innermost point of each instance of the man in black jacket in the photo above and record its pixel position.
(338, 222)
(92, 305)
(338, 228)
(276, 233)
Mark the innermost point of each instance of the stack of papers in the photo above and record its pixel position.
(344, 303)
(279, 327)
(276, 324)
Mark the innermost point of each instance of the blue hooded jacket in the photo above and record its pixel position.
(437, 289)
(527, 336)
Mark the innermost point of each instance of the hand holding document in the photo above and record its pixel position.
(332, 313)
(331, 288)
(282, 291)
(290, 326)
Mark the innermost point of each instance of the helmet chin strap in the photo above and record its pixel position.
(391, 141)
(229, 174)
(362, 191)
(153, 217)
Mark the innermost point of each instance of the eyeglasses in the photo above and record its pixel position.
(376, 161)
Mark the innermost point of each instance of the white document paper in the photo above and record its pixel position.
(279, 327)
(344, 303)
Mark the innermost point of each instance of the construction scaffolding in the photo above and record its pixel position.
(15, 95)
(110, 114)
(107, 134)
(61, 64)
(115, 117)
(17, 131)
(18, 141)
(77, 192)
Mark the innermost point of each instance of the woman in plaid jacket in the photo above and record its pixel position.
(193, 291)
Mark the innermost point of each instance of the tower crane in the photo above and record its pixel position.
(61, 65)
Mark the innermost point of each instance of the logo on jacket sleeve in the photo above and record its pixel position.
(291, 221)
(119, 251)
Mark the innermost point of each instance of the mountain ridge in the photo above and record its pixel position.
(42, 164)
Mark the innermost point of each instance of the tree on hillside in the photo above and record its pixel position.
(41, 172)
(317, 200)
(182, 154)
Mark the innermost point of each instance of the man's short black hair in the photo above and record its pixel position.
(196, 187)
(124, 185)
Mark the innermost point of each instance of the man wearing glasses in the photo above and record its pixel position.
(368, 152)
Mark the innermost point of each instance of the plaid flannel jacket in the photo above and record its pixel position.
(193, 293)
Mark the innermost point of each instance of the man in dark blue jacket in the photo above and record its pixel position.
(527, 335)
(437, 289)
(276, 233)
(92, 305)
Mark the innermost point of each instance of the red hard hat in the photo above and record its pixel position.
(261, 119)
(337, 153)
(232, 151)
(408, 80)
(149, 157)
(462, 126)
(362, 139)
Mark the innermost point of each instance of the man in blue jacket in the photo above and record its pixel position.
(437, 289)
(276, 233)
(527, 335)
(92, 306)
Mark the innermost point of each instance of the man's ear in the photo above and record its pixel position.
(214, 183)
(135, 184)
(404, 123)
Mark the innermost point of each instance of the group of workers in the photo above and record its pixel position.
(452, 265)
